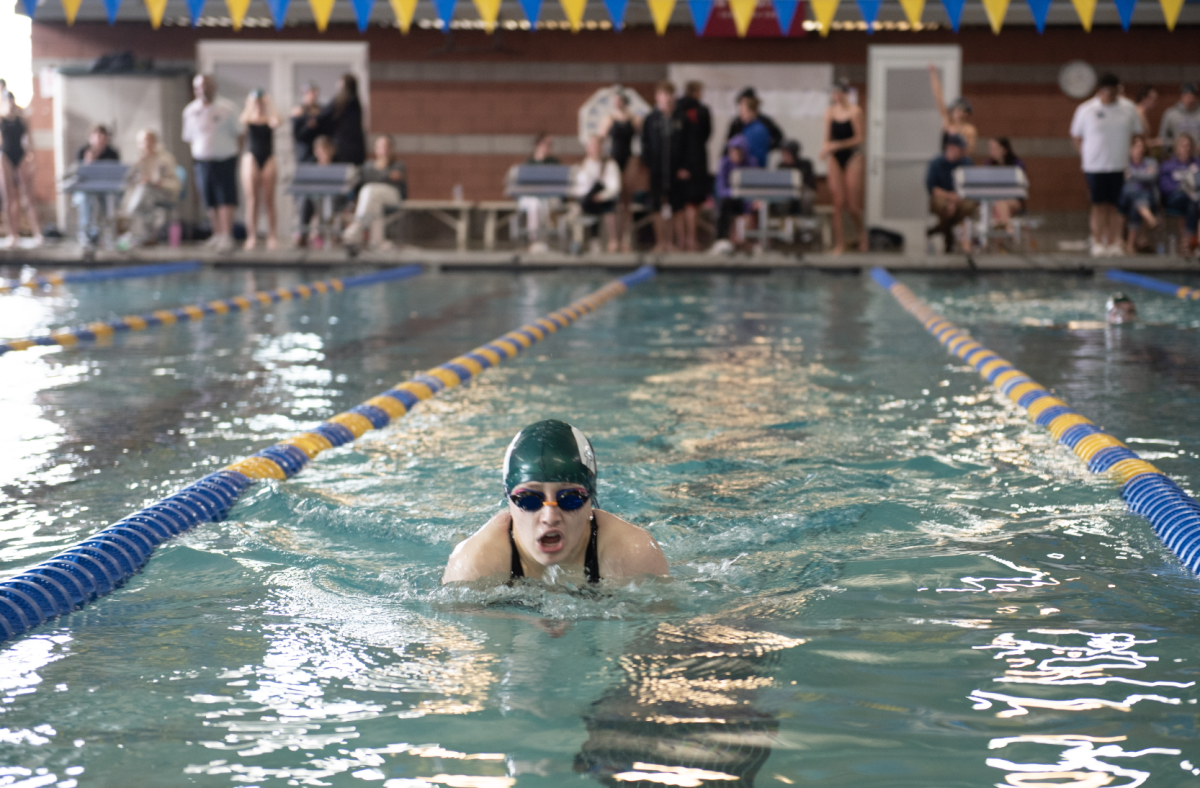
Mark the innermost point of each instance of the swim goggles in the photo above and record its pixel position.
(568, 500)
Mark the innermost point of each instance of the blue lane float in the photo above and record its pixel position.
(105, 560)
(1174, 515)
(101, 274)
(1150, 283)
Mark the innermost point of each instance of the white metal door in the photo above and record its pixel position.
(904, 133)
(281, 68)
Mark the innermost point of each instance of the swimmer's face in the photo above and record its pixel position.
(551, 536)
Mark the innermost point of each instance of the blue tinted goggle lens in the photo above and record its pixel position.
(532, 501)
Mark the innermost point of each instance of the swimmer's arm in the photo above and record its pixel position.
(629, 551)
(486, 553)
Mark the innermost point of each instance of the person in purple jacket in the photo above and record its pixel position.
(1179, 183)
(737, 154)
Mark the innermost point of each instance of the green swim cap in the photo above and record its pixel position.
(550, 451)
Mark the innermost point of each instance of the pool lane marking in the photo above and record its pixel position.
(1150, 283)
(97, 275)
(165, 317)
(1174, 515)
(103, 561)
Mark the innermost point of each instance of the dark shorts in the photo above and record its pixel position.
(1104, 188)
(216, 182)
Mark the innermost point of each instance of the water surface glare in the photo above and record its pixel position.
(883, 573)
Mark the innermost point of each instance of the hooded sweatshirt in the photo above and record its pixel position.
(725, 171)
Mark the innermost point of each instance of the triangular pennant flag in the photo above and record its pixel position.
(616, 11)
(1086, 9)
(445, 12)
(1171, 9)
(195, 9)
(743, 13)
(1039, 9)
(996, 9)
(155, 9)
(574, 12)
(488, 10)
(1125, 11)
(31, 6)
(404, 10)
(824, 11)
(702, 10)
(321, 9)
(785, 14)
(237, 11)
(913, 9)
(870, 12)
(532, 9)
(362, 13)
(954, 9)
(70, 9)
(111, 7)
(278, 9)
(660, 12)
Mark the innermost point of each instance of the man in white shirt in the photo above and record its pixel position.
(210, 126)
(1102, 130)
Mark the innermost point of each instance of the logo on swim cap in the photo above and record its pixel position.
(550, 451)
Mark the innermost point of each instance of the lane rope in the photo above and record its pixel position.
(1174, 515)
(1150, 283)
(163, 317)
(103, 561)
(101, 274)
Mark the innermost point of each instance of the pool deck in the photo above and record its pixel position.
(69, 255)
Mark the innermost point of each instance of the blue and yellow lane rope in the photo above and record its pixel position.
(1174, 515)
(1150, 283)
(164, 317)
(101, 274)
(103, 561)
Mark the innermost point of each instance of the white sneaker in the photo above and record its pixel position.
(213, 242)
(538, 247)
(224, 244)
(1114, 250)
(353, 234)
(723, 246)
(1098, 249)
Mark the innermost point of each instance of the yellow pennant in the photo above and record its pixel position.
(743, 14)
(321, 9)
(1171, 9)
(996, 9)
(70, 9)
(913, 9)
(824, 11)
(404, 10)
(1086, 10)
(574, 11)
(237, 11)
(660, 11)
(488, 10)
(156, 8)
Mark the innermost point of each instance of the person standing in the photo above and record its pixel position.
(737, 125)
(695, 127)
(90, 207)
(16, 180)
(1102, 129)
(210, 127)
(342, 120)
(842, 152)
(259, 171)
(1183, 118)
(151, 182)
(620, 128)
(660, 154)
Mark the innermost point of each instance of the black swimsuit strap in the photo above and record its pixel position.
(516, 570)
(591, 559)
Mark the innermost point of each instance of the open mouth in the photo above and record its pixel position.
(550, 542)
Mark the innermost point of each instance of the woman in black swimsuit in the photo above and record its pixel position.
(550, 530)
(843, 155)
(620, 128)
(16, 176)
(259, 172)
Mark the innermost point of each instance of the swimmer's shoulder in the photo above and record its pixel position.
(627, 550)
(485, 553)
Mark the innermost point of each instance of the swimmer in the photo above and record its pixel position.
(551, 530)
(1119, 311)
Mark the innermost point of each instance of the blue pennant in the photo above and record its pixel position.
(195, 9)
(362, 12)
(112, 6)
(616, 9)
(701, 11)
(532, 9)
(785, 14)
(870, 12)
(279, 9)
(1040, 8)
(445, 12)
(1125, 10)
(954, 9)
(30, 7)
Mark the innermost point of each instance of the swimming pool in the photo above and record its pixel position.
(883, 573)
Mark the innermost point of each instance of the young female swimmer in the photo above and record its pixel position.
(551, 530)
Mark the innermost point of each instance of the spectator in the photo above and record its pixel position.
(342, 121)
(1000, 154)
(956, 119)
(1102, 129)
(1179, 182)
(16, 180)
(737, 125)
(323, 151)
(729, 208)
(660, 153)
(1183, 118)
(210, 126)
(790, 159)
(758, 136)
(537, 209)
(90, 208)
(1139, 195)
(384, 187)
(1145, 99)
(620, 127)
(151, 183)
(259, 170)
(944, 202)
(842, 152)
(597, 185)
(305, 129)
(692, 179)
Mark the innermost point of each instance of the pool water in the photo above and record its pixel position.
(882, 572)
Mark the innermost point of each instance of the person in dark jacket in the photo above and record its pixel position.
(660, 153)
(341, 120)
(692, 183)
(738, 124)
(305, 126)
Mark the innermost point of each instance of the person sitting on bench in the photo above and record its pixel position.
(152, 183)
(384, 188)
(597, 185)
(944, 201)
